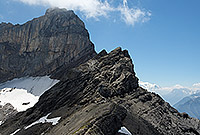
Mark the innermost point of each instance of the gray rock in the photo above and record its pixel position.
(40, 46)
(6, 112)
(98, 98)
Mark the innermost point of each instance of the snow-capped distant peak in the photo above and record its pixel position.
(149, 86)
(178, 86)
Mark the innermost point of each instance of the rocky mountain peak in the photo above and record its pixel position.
(61, 16)
(43, 44)
(51, 11)
(113, 73)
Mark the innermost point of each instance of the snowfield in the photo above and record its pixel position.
(20, 99)
(23, 93)
(34, 85)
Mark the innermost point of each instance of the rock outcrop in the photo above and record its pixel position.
(6, 112)
(98, 98)
(56, 40)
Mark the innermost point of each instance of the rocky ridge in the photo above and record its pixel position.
(98, 98)
(38, 47)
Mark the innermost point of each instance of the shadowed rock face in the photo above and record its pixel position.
(43, 44)
(98, 98)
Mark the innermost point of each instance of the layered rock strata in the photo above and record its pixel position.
(38, 47)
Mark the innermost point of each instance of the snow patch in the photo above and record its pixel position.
(44, 119)
(15, 132)
(34, 85)
(1, 122)
(124, 130)
(20, 99)
(23, 93)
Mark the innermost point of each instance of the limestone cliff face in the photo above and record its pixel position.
(43, 44)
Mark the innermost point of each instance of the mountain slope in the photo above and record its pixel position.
(43, 44)
(99, 97)
(190, 105)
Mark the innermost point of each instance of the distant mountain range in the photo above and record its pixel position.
(183, 99)
(171, 94)
(190, 105)
(177, 94)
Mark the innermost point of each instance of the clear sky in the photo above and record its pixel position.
(162, 36)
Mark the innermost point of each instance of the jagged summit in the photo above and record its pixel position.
(58, 10)
(43, 44)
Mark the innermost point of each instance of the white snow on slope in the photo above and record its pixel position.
(124, 130)
(15, 132)
(23, 93)
(44, 119)
(18, 98)
(35, 85)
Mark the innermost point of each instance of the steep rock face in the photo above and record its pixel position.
(98, 98)
(43, 44)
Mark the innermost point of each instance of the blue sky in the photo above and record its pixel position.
(165, 48)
